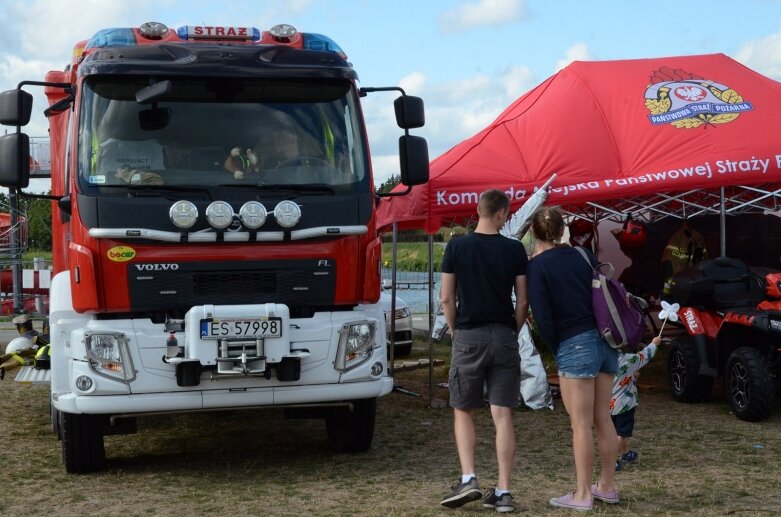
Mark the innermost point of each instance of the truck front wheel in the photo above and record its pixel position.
(752, 391)
(683, 372)
(352, 430)
(82, 443)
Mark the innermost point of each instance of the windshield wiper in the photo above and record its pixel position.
(287, 187)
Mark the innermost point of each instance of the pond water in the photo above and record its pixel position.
(412, 287)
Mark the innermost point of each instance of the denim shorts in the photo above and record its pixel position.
(586, 355)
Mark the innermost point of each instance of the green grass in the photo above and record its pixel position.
(412, 256)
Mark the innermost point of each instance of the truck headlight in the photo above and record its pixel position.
(402, 313)
(108, 355)
(775, 325)
(356, 344)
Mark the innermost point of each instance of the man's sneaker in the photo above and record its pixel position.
(629, 457)
(462, 493)
(502, 503)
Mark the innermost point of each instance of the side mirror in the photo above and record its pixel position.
(15, 160)
(15, 108)
(413, 155)
(409, 112)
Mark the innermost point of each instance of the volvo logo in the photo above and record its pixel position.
(156, 267)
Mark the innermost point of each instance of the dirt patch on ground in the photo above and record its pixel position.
(694, 460)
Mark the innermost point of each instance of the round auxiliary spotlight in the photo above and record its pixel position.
(253, 215)
(287, 214)
(219, 214)
(153, 30)
(183, 214)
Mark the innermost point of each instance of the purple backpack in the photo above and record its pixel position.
(619, 315)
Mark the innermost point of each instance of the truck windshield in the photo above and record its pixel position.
(218, 132)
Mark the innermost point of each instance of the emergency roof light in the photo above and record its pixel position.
(322, 43)
(282, 33)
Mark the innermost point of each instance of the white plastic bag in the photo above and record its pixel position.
(535, 389)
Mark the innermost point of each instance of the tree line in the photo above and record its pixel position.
(38, 213)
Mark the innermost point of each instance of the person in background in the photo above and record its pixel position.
(560, 296)
(482, 270)
(624, 399)
(18, 354)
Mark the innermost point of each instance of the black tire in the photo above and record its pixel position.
(352, 430)
(683, 367)
(56, 421)
(402, 350)
(751, 390)
(82, 443)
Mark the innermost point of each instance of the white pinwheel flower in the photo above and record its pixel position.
(669, 311)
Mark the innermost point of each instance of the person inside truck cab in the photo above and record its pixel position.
(280, 148)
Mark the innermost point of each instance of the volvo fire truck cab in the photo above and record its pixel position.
(215, 241)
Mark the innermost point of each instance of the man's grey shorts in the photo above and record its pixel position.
(485, 358)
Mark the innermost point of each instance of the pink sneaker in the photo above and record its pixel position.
(568, 501)
(606, 496)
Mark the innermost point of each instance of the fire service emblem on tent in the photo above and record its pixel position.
(686, 100)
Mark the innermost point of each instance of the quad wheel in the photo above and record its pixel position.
(751, 390)
(683, 367)
(352, 430)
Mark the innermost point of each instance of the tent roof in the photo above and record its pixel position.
(654, 137)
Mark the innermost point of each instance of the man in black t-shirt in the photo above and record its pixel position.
(481, 270)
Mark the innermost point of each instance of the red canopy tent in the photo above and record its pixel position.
(671, 136)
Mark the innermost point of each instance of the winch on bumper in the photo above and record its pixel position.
(229, 343)
(237, 344)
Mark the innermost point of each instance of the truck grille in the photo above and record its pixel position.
(179, 286)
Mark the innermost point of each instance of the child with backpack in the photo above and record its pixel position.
(624, 398)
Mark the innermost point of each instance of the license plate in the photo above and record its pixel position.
(240, 328)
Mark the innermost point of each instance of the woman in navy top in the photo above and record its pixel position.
(559, 289)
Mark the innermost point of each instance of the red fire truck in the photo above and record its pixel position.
(215, 243)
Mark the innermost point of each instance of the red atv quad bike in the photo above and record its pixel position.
(732, 316)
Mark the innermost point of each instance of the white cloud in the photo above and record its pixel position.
(49, 28)
(763, 55)
(455, 111)
(483, 13)
(577, 52)
(516, 80)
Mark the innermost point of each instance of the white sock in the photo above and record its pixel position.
(499, 492)
(466, 477)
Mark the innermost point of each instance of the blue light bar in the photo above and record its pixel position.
(322, 43)
(112, 38)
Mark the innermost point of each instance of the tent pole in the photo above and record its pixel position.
(722, 226)
(429, 315)
(391, 367)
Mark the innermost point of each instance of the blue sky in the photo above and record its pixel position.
(467, 59)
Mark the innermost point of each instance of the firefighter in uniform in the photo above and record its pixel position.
(23, 349)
